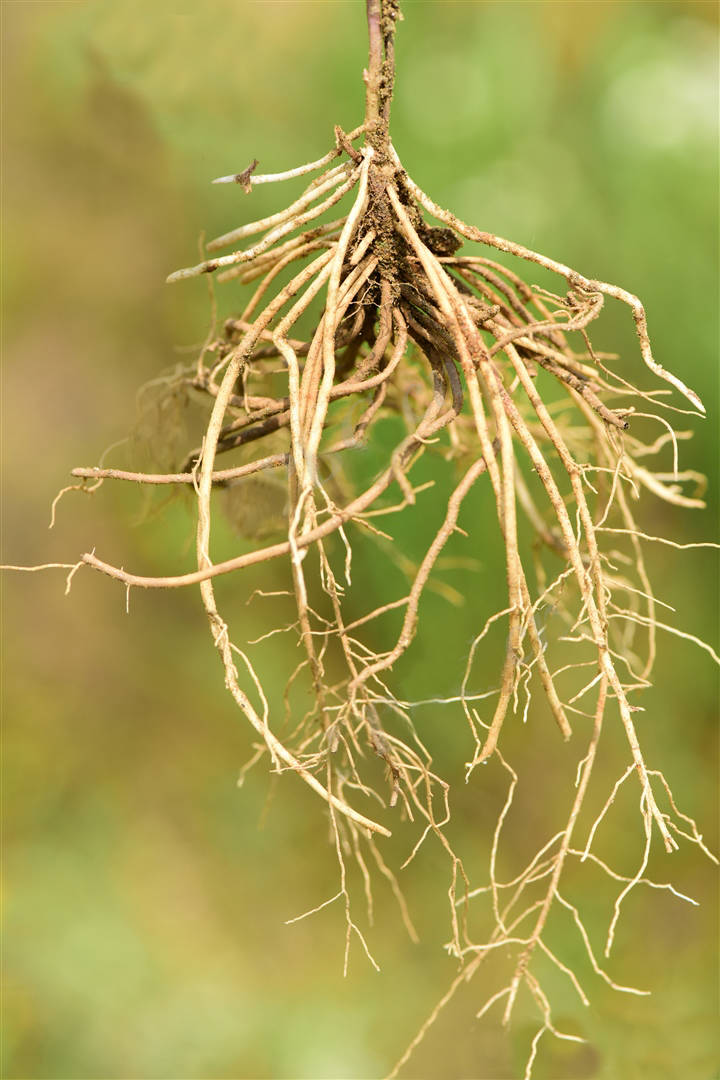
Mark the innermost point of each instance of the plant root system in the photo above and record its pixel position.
(364, 307)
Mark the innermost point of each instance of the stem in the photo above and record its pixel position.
(373, 75)
(380, 74)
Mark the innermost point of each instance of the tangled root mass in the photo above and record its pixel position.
(475, 363)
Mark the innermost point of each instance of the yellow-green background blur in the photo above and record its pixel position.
(145, 895)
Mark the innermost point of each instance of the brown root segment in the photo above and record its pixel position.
(381, 316)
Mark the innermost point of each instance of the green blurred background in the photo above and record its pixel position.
(145, 896)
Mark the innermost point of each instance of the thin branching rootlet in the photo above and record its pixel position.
(501, 377)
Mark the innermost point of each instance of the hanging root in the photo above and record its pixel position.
(470, 361)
